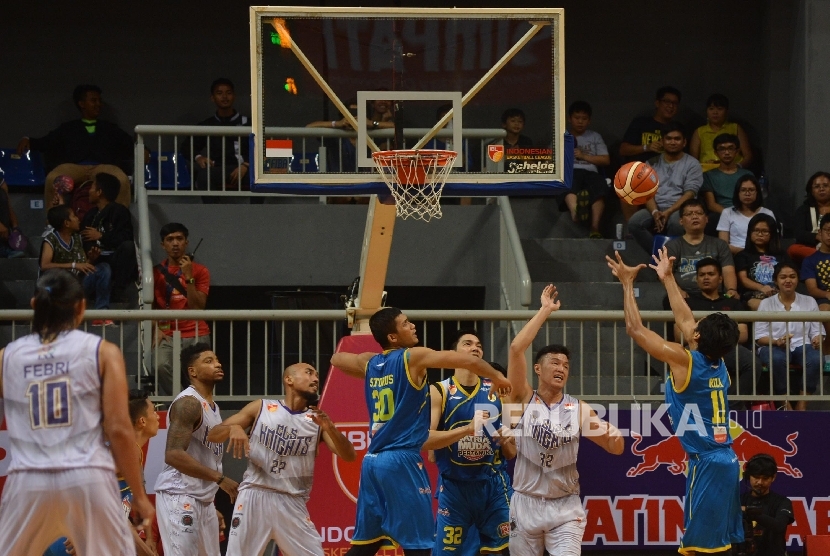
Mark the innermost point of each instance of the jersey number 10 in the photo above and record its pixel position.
(49, 403)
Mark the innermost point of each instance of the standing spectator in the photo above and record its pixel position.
(179, 283)
(589, 187)
(84, 147)
(8, 222)
(719, 183)
(680, 178)
(63, 248)
(747, 201)
(694, 246)
(785, 342)
(109, 227)
(756, 264)
(221, 160)
(703, 146)
(644, 136)
(767, 514)
(808, 215)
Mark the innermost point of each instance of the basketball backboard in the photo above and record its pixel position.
(372, 79)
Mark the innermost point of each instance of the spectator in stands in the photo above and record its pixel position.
(84, 147)
(790, 342)
(587, 195)
(213, 164)
(680, 178)
(808, 215)
(702, 145)
(179, 283)
(709, 298)
(513, 122)
(719, 183)
(747, 201)
(694, 246)
(109, 227)
(644, 136)
(815, 270)
(756, 264)
(8, 222)
(63, 248)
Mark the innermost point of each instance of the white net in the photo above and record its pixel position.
(416, 179)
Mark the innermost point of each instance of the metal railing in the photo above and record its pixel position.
(255, 346)
(516, 285)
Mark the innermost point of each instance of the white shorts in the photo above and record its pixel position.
(537, 524)
(187, 526)
(39, 507)
(260, 515)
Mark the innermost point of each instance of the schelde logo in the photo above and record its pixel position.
(669, 452)
(495, 152)
(347, 473)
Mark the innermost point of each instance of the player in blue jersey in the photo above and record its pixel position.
(474, 489)
(394, 502)
(697, 400)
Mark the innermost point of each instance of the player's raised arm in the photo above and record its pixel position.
(656, 346)
(353, 364)
(600, 432)
(234, 428)
(516, 363)
(334, 439)
(683, 317)
(421, 359)
(436, 408)
(119, 429)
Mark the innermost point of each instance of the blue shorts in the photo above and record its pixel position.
(473, 516)
(712, 513)
(394, 501)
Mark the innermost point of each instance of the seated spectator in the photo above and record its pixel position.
(588, 191)
(756, 263)
(719, 183)
(513, 122)
(84, 147)
(815, 270)
(808, 215)
(178, 283)
(8, 222)
(212, 165)
(644, 136)
(694, 246)
(680, 179)
(709, 298)
(702, 145)
(747, 201)
(109, 227)
(63, 248)
(790, 342)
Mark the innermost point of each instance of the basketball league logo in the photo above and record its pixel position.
(495, 152)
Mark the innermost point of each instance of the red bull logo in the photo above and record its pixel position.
(669, 452)
(495, 152)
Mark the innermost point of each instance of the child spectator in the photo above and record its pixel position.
(746, 203)
(513, 122)
(755, 265)
(63, 248)
(702, 145)
(588, 190)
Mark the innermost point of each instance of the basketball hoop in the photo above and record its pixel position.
(416, 179)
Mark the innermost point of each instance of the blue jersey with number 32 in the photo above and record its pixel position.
(698, 409)
(399, 408)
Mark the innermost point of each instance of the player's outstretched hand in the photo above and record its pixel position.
(549, 298)
(626, 274)
(502, 385)
(231, 487)
(504, 435)
(238, 444)
(321, 419)
(663, 264)
(145, 510)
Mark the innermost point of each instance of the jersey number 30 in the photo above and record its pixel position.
(49, 403)
(384, 405)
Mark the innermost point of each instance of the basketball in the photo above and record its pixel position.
(636, 183)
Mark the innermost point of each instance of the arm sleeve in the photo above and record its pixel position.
(725, 220)
(47, 143)
(762, 327)
(632, 133)
(741, 262)
(602, 148)
(778, 523)
(808, 269)
(203, 280)
(803, 226)
(122, 228)
(707, 184)
(724, 254)
(694, 175)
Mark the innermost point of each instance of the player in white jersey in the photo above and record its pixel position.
(65, 391)
(193, 465)
(545, 510)
(281, 449)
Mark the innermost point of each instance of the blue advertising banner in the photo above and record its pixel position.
(636, 499)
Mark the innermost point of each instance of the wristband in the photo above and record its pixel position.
(655, 210)
(221, 478)
(334, 123)
(73, 266)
